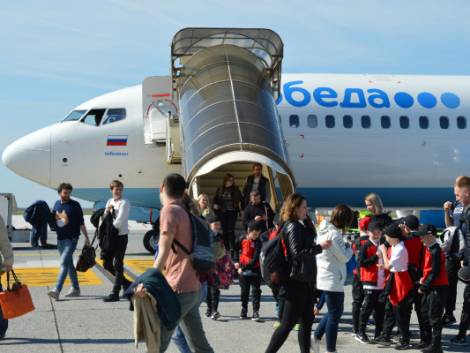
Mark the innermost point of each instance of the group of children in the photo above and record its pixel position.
(399, 264)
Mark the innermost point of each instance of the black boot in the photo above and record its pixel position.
(403, 344)
(435, 346)
(424, 342)
(244, 314)
(113, 297)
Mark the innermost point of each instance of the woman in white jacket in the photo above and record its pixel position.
(331, 274)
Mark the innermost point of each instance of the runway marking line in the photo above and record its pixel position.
(47, 276)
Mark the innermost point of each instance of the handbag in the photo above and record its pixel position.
(16, 300)
(87, 258)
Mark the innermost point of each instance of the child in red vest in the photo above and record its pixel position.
(249, 270)
(433, 286)
(400, 285)
(372, 277)
(357, 290)
(409, 227)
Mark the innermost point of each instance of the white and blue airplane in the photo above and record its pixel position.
(404, 137)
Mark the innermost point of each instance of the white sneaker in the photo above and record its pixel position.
(73, 293)
(215, 316)
(54, 294)
(315, 344)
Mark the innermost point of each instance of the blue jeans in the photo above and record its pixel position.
(178, 337)
(330, 321)
(39, 235)
(3, 322)
(66, 249)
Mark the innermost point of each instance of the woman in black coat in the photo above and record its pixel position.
(228, 201)
(299, 288)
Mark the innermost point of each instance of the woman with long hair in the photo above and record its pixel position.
(228, 201)
(332, 274)
(203, 206)
(375, 206)
(298, 289)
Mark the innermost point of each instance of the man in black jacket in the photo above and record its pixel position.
(258, 211)
(462, 195)
(256, 182)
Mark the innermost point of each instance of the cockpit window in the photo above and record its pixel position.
(113, 115)
(74, 115)
(93, 117)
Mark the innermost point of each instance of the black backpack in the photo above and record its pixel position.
(274, 264)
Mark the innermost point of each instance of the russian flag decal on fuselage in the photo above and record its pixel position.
(117, 140)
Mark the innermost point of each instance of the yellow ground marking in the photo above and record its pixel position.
(47, 276)
(30, 254)
(139, 266)
(100, 262)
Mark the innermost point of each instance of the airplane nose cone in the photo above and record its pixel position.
(30, 156)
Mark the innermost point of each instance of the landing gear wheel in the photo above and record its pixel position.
(150, 242)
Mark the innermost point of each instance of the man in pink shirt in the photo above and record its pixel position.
(175, 224)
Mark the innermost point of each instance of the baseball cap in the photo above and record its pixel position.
(426, 229)
(412, 222)
(393, 231)
(212, 218)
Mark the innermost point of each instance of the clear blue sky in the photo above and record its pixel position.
(57, 54)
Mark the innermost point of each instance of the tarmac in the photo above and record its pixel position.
(87, 324)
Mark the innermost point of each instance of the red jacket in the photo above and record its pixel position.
(402, 286)
(415, 249)
(249, 253)
(434, 270)
(368, 259)
(272, 234)
(356, 247)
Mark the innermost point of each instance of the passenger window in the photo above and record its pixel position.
(93, 117)
(330, 121)
(385, 122)
(347, 121)
(294, 121)
(444, 122)
(423, 122)
(461, 122)
(365, 121)
(404, 122)
(312, 121)
(114, 115)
